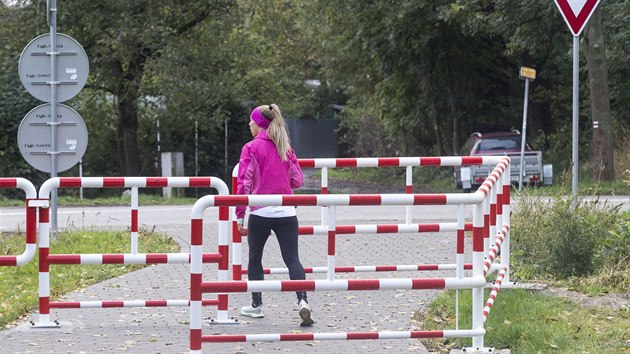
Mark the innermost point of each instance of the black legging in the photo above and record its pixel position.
(286, 230)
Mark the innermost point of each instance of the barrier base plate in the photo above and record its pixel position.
(51, 324)
(484, 350)
(214, 321)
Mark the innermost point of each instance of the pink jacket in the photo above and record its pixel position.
(261, 171)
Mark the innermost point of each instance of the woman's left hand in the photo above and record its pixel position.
(241, 230)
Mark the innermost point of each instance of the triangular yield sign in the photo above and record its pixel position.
(576, 13)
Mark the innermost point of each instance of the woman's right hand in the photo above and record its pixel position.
(241, 230)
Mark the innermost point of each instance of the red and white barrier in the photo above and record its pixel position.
(46, 259)
(481, 200)
(31, 221)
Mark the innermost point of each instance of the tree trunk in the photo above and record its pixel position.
(129, 163)
(602, 138)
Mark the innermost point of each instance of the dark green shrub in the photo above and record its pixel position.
(551, 237)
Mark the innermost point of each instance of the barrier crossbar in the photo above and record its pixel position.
(31, 221)
(46, 259)
(493, 192)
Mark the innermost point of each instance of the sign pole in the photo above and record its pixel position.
(527, 74)
(576, 14)
(576, 114)
(52, 8)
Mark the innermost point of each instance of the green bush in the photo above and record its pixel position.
(551, 237)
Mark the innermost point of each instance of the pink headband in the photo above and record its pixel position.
(258, 118)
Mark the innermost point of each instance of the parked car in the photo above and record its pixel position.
(501, 143)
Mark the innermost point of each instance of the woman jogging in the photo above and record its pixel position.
(268, 165)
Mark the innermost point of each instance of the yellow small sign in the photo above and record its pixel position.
(527, 73)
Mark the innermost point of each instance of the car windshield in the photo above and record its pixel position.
(500, 143)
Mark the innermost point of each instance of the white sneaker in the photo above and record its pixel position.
(251, 311)
(305, 314)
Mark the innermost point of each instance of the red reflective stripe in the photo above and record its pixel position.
(346, 269)
(428, 267)
(156, 182)
(44, 215)
(157, 258)
(428, 283)
(70, 182)
(65, 305)
(196, 232)
(113, 304)
(297, 285)
(363, 284)
(113, 182)
(430, 161)
(427, 334)
(195, 339)
(224, 287)
(8, 183)
(195, 287)
(299, 200)
(388, 161)
(346, 162)
(224, 250)
(306, 162)
(155, 303)
(429, 199)
(211, 257)
(477, 239)
(231, 200)
(199, 182)
(134, 220)
(362, 335)
(297, 336)
(386, 268)
(428, 227)
(220, 338)
(468, 226)
(43, 260)
(346, 229)
(64, 259)
(8, 260)
(471, 160)
(224, 213)
(331, 243)
(493, 214)
(306, 230)
(408, 189)
(368, 199)
(113, 259)
(31, 225)
(385, 228)
(324, 190)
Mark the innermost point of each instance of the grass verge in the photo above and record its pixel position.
(19, 285)
(529, 322)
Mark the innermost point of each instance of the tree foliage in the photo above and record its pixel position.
(415, 77)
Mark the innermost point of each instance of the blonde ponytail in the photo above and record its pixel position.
(277, 130)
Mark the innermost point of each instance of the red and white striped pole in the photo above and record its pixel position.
(408, 190)
(330, 274)
(505, 246)
(134, 220)
(43, 318)
(31, 221)
(324, 191)
(478, 254)
(196, 242)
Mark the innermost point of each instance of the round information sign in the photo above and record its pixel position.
(72, 67)
(34, 138)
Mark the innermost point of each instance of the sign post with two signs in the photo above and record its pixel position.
(53, 137)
